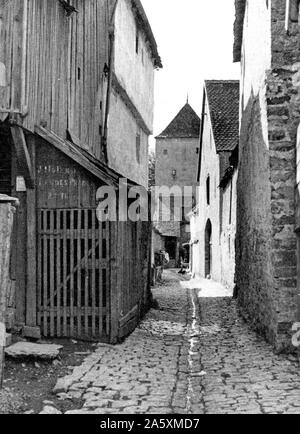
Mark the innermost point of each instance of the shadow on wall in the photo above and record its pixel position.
(254, 272)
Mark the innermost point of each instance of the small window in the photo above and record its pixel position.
(197, 151)
(174, 173)
(137, 42)
(138, 148)
(165, 152)
(160, 207)
(208, 190)
(172, 207)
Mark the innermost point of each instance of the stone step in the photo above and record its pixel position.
(24, 350)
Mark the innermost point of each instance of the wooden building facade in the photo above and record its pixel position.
(67, 275)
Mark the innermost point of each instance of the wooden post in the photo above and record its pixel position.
(113, 288)
(31, 245)
(6, 221)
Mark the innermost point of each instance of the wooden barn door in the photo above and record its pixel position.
(73, 274)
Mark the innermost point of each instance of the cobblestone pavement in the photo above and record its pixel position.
(186, 359)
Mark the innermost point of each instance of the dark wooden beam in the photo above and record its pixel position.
(22, 154)
(130, 104)
(114, 293)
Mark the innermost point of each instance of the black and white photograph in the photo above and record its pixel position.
(149, 210)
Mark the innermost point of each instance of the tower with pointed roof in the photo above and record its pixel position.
(177, 150)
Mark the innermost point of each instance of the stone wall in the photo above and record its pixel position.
(179, 155)
(266, 257)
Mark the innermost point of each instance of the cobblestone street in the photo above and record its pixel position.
(186, 358)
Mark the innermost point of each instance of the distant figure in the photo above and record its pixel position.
(166, 258)
(159, 259)
(182, 266)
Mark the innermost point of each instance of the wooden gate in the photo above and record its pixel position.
(134, 246)
(73, 274)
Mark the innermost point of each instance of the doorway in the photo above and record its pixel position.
(171, 247)
(5, 164)
(208, 249)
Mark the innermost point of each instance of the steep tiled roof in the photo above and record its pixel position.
(223, 101)
(186, 124)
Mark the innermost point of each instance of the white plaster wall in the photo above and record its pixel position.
(210, 166)
(195, 239)
(122, 131)
(134, 71)
(228, 233)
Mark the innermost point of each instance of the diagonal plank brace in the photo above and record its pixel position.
(23, 154)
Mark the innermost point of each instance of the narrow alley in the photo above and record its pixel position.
(189, 356)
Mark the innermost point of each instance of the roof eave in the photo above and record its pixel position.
(231, 149)
(177, 137)
(148, 30)
(240, 9)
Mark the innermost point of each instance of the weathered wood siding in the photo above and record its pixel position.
(11, 28)
(93, 277)
(58, 78)
(6, 222)
(133, 274)
(73, 250)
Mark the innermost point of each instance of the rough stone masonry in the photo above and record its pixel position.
(267, 258)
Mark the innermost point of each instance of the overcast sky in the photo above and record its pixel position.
(195, 41)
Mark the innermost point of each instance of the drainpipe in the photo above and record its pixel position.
(111, 36)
